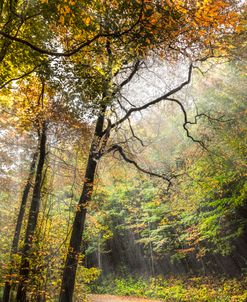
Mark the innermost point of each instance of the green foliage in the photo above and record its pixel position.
(202, 214)
(216, 188)
(111, 37)
(199, 289)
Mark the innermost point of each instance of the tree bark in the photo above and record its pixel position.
(32, 220)
(15, 242)
(69, 272)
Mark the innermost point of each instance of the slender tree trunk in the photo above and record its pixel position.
(151, 251)
(14, 247)
(32, 220)
(69, 272)
(99, 258)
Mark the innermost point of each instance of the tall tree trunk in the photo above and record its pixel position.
(32, 220)
(99, 257)
(14, 247)
(69, 273)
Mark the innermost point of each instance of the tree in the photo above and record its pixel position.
(34, 110)
(33, 216)
(152, 35)
(200, 226)
(104, 45)
(14, 247)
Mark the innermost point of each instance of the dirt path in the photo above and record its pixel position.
(109, 298)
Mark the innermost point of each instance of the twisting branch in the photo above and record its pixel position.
(125, 82)
(130, 77)
(50, 52)
(134, 135)
(211, 119)
(186, 122)
(117, 148)
(121, 106)
(197, 116)
(155, 101)
(128, 101)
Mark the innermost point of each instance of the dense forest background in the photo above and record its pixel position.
(136, 110)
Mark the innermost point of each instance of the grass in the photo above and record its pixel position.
(198, 289)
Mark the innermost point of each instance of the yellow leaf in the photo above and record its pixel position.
(87, 20)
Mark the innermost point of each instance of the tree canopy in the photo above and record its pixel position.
(70, 103)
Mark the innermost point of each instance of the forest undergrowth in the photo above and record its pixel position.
(193, 289)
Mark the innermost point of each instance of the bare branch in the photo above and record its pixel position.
(157, 100)
(211, 119)
(121, 106)
(128, 101)
(186, 122)
(130, 77)
(117, 148)
(134, 135)
(197, 116)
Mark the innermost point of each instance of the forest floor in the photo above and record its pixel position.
(109, 298)
(193, 289)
